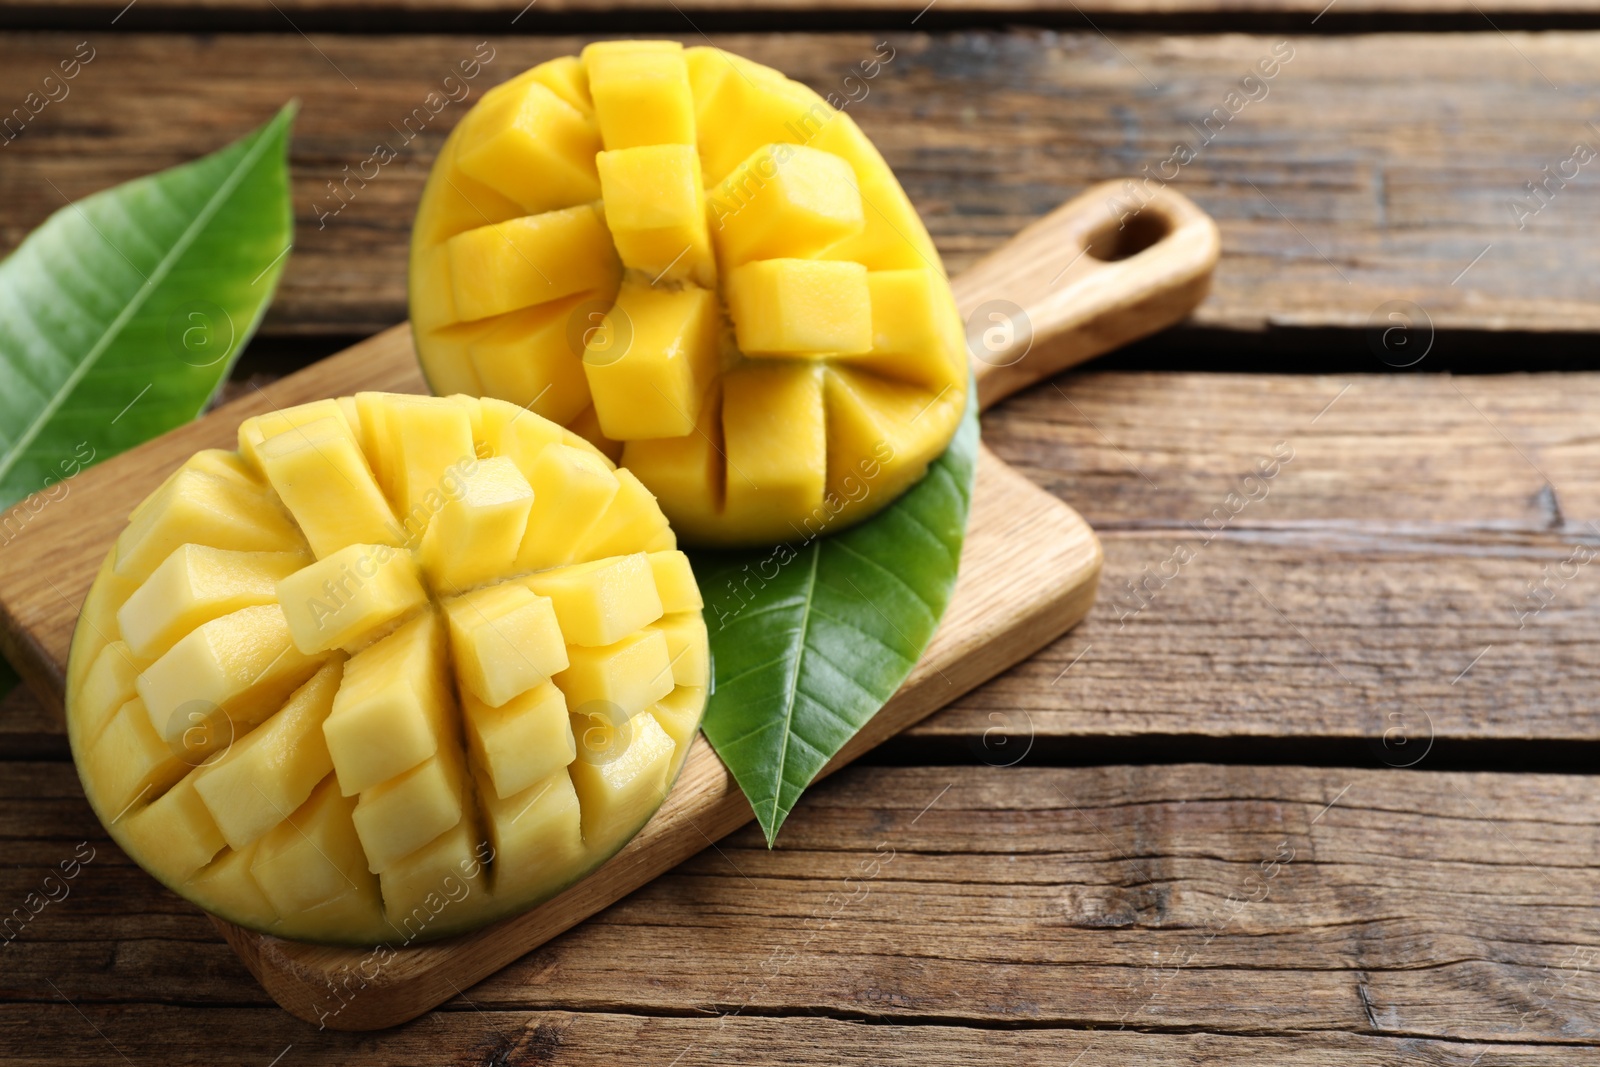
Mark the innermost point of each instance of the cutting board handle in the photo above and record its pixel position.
(1097, 272)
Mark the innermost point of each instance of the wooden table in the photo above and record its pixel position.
(1309, 786)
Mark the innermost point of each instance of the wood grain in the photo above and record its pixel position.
(1376, 168)
(469, 1039)
(1359, 916)
(1075, 285)
(767, 14)
(1420, 555)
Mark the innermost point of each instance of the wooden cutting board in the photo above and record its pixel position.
(1071, 286)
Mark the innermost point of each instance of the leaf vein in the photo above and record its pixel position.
(916, 594)
(792, 686)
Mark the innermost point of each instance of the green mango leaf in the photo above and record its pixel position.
(808, 641)
(122, 314)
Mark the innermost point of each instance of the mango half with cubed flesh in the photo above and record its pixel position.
(706, 270)
(397, 667)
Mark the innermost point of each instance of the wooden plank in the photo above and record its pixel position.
(1376, 167)
(1358, 910)
(467, 1039)
(1410, 563)
(28, 729)
(565, 15)
(1401, 538)
(1504, 453)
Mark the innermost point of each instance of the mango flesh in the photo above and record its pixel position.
(703, 268)
(398, 651)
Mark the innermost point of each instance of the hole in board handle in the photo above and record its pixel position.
(1111, 243)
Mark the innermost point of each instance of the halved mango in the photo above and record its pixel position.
(736, 219)
(326, 680)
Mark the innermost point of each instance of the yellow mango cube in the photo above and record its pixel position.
(641, 94)
(566, 77)
(389, 713)
(531, 146)
(686, 473)
(523, 741)
(229, 466)
(270, 772)
(600, 602)
(107, 686)
(656, 212)
(346, 599)
(397, 817)
(242, 665)
(505, 641)
(527, 357)
(893, 237)
(743, 105)
(225, 885)
(675, 582)
(336, 917)
(377, 443)
(313, 857)
(916, 331)
(430, 450)
(625, 780)
(632, 521)
(530, 260)
(620, 680)
(679, 714)
(198, 507)
(311, 466)
(176, 834)
(572, 489)
(519, 435)
(473, 406)
(453, 203)
(441, 884)
(784, 200)
(687, 647)
(195, 585)
(787, 307)
(210, 461)
(838, 135)
(782, 474)
(537, 834)
(129, 763)
(870, 416)
(254, 431)
(654, 386)
(475, 536)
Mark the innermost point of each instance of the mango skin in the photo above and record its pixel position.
(808, 247)
(265, 884)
